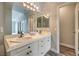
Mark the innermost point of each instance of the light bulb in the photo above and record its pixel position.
(24, 4)
(33, 9)
(28, 6)
(37, 8)
(31, 4)
(34, 6)
(28, 2)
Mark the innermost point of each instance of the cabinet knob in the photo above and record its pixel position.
(29, 47)
(27, 53)
(30, 51)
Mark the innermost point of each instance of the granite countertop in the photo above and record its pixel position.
(16, 42)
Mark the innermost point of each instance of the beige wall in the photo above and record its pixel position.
(67, 25)
(5, 24)
(7, 20)
(1, 26)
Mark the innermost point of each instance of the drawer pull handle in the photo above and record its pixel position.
(29, 47)
(30, 51)
(27, 53)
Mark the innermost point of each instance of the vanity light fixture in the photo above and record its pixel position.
(37, 8)
(33, 9)
(34, 6)
(24, 4)
(28, 2)
(30, 6)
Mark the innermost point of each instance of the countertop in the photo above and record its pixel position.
(16, 42)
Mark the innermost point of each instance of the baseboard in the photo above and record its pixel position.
(54, 50)
(70, 46)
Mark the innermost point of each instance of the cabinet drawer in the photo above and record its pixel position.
(42, 41)
(23, 53)
(48, 41)
(29, 46)
(24, 48)
(41, 51)
(29, 53)
(18, 50)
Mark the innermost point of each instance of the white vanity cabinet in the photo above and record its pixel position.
(44, 45)
(38, 47)
(22, 51)
(48, 43)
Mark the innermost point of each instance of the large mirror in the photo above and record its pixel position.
(42, 22)
(18, 18)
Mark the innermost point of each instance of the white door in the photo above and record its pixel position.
(67, 25)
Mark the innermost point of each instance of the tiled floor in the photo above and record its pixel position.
(51, 53)
(1, 50)
(67, 51)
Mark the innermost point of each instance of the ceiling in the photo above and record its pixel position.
(18, 6)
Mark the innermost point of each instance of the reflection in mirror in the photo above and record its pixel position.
(43, 22)
(19, 22)
(23, 19)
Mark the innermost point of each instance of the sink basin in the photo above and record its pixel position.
(19, 40)
(14, 41)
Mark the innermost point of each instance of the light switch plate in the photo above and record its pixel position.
(1, 29)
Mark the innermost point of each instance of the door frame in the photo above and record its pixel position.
(76, 29)
(58, 26)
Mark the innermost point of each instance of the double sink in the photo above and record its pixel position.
(25, 38)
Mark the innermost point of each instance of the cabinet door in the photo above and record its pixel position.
(41, 50)
(18, 50)
(48, 43)
(41, 47)
(22, 53)
(29, 49)
(44, 45)
(35, 48)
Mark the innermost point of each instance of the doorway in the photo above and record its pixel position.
(67, 29)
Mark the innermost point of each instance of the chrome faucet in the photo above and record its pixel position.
(21, 34)
(20, 30)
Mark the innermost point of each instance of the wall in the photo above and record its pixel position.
(1, 25)
(8, 20)
(5, 25)
(67, 25)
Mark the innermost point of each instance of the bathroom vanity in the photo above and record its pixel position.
(31, 44)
